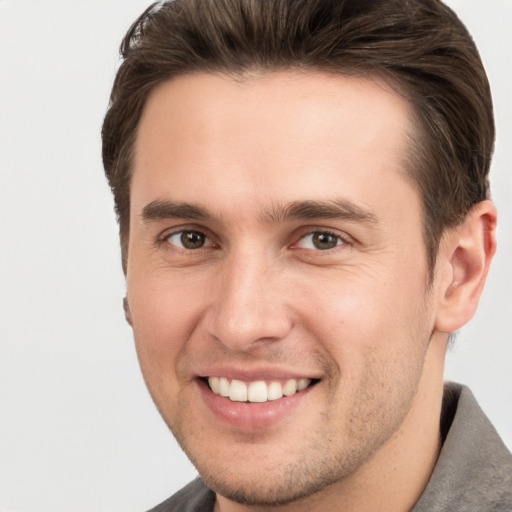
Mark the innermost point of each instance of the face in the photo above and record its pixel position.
(276, 256)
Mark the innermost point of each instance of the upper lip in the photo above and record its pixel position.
(255, 374)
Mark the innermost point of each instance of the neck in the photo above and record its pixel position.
(395, 477)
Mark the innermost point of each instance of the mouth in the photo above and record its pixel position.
(258, 391)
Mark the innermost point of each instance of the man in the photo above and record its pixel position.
(305, 218)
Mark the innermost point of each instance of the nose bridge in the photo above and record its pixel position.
(247, 307)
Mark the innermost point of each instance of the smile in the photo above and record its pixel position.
(257, 391)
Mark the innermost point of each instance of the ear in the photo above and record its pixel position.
(465, 254)
(127, 312)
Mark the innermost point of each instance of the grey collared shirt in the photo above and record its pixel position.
(473, 472)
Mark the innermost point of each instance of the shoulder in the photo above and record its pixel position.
(194, 497)
(474, 469)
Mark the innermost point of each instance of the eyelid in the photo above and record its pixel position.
(163, 237)
(341, 235)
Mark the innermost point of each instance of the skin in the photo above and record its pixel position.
(259, 296)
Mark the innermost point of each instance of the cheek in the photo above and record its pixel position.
(162, 325)
(364, 311)
(163, 317)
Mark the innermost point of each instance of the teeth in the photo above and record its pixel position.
(214, 384)
(275, 391)
(223, 387)
(290, 388)
(257, 391)
(302, 384)
(238, 391)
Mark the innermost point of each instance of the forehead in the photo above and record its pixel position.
(289, 135)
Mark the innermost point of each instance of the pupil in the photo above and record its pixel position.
(192, 239)
(324, 241)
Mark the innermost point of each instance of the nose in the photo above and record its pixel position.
(249, 307)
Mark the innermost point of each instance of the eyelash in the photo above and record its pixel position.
(341, 239)
(165, 238)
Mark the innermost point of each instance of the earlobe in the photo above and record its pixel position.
(465, 255)
(127, 312)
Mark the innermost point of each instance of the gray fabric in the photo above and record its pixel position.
(194, 497)
(473, 472)
(474, 469)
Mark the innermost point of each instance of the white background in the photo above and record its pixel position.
(78, 431)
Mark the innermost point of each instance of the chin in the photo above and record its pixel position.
(283, 490)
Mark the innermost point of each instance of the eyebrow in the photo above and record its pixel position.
(334, 209)
(161, 209)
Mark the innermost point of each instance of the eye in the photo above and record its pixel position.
(320, 241)
(188, 239)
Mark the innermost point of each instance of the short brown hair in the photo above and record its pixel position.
(420, 46)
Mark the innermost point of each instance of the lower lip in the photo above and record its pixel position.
(251, 416)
